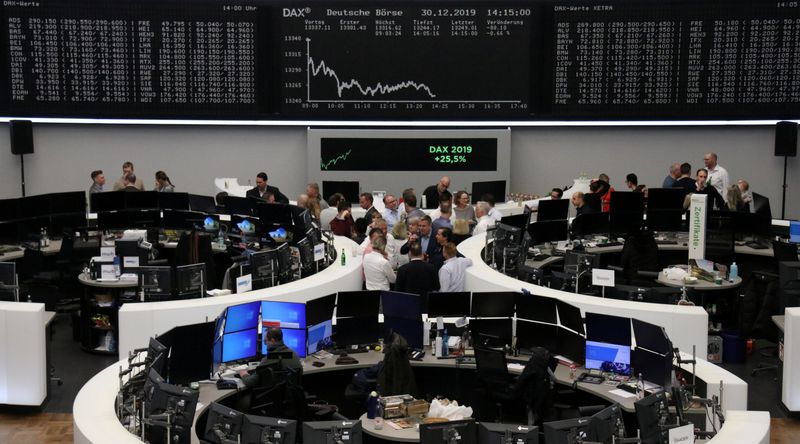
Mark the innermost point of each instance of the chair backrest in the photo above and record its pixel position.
(67, 246)
(784, 251)
(32, 263)
(492, 367)
(720, 246)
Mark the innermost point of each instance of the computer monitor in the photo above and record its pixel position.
(507, 236)
(210, 223)
(203, 204)
(173, 201)
(8, 282)
(188, 345)
(191, 280)
(283, 314)
(259, 429)
(655, 368)
(520, 221)
(490, 304)
(318, 432)
(609, 329)
(570, 317)
(761, 205)
(9, 209)
(410, 329)
(665, 220)
(624, 222)
(156, 282)
(665, 199)
(292, 338)
(757, 224)
(320, 336)
(143, 200)
(402, 305)
(626, 201)
(284, 262)
(607, 425)
(223, 424)
(274, 214)
(651, 337)
(306, 249)
(491, 332)
(571, 345)
(794, 232)
(242, 317)
(532, 307)
(552, 209)
(67, 223)
(264, 269)
(108, 201)
(566, 431)
(496, 433)
(67, 202)
(179, 220)
(356, 331)
(320, 309)
(144, 218)
(542, 232)
(535, 334)
(240, 345)
(349, 189)
(34, 206)
(607, 357)
(357, 303)
(461, 432)
(242, 206)
(180, 403)
(650, 414)
(497, 189)
(449, 304)
(590, 223)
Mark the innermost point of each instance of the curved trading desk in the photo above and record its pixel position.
(138, 322)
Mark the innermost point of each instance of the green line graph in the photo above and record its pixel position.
(325, 165)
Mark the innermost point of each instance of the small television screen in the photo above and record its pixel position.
(401, 305)
(203, 204)
(520, 221)
(239, 205)
(535, 334)
(548, 231)
(491, 332)
(552, 209)
(607, 328)
(356, 331)
(320, 336)
(493, 304)
(495, 188)
(614, 358)
(533, 307)
(357, 303)
(292, 338)
(410, 329)
(274, 214)
(449, 304)
(650, 336)
(242, 317)
(283, 314)
(570, 317)
(794, 232)
(590, 223)
(240, 345)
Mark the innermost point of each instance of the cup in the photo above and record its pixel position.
(378, 423)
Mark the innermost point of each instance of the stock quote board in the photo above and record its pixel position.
(394, 60)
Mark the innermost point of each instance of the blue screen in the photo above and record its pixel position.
(294, 339)
(239, 345)
(794, 232)
(608, 357)
(283, 314)
(319, 336)
(242, 317)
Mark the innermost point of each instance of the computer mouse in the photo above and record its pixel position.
(318, 364)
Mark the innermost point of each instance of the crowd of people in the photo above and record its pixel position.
(129, 181)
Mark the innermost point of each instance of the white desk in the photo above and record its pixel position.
(790, 393)
(743, 427)
(24, 374)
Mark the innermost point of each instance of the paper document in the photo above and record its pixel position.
(621, 393)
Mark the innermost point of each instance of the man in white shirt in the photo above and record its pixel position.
(391, 245)
(330, 213)
(444, 216)
(392, 214)
(453, 273)
(484, 221)
(717, 175)
(493, 213)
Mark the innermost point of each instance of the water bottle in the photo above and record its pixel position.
(734, 273)
(221, 239)
(344, 258)
(372, 405)
(117, 271)
(445, 340)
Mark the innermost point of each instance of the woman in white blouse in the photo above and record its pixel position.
(378, 272)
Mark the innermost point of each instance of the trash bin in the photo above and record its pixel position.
(734, 346)
(715, 349)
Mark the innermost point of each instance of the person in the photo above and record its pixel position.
(98, 180)
(735, 202)
(747, 195)
(382, 228)
(442, 236)
(163, 184)
(312, 190)
(632, 182)
(603, 189)
(580, 204)
(685, 181)
(715, 200)
(423, 234)
(391, 213)
(313, 206)
(443, 216)
(360, 231)
(556, 193)
(130, 183)
(671, 181)
(484, 221)
(342, 224)
(432, 192)
(378, 273)
(365, 202)
(417, 276)
(302, 200)
(493, 213)
(273, 339)
(328, 214)
(462, 208)
(399, 235)
(453, 273)
(410, 204)
(127, 168)
(717, 175)
(262, 188)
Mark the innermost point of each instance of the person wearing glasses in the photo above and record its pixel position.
(392, 213)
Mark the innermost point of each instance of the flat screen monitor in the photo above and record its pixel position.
(535, 334)
(496, 433)
(179, 220)
(542, 232)
(565, 431)
(67, 222)
(461, 432)
(191, 280)
(357, 303)
(410, 329)
(156, 282)
(506, 236)
(167, 397)
(495, 188)
(665, 220)
(589, 224)
(8, 273)
(188, 352)
(274, 214)
(650, 336)
(349, 189)
(402, 305)
(267, 429)
(9, 209)
(761, 205)
(242, 317)
(626, 201)
(10, 231)
(108, 201)
(240, 345)
(614, 358)
(68, 202)
(318, 432)
(142, 200)
(242, 206)
(746, 223)
(264, 268)
(203, 204)
(356, 331)
(320, 336)
(605, 425)
(173, 201)
(292, 338)
(624, 222)
(489, 304)
(571, 345)
(665, 199)
(794, 232)
(607, 328)
(654, 367)
(650, 413)
(320, 309)
(449, 304)
(520, 221)
(144, 218)
(242, 225)
(302, 217)
(283, 314)
(306, 249)
(532, 307)
(224, 421)
(552, 209)
(570, 317)
(494, 332)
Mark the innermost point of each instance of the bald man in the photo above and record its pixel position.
(672, 178)
(432, 192)
(717, 175)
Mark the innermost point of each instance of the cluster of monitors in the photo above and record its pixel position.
(57, 212)
(350, 190)
(157, 283)
(552, 224)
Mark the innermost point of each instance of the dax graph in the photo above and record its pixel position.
(405, 62)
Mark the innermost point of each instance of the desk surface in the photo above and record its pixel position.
(700, 285)
(84, 279)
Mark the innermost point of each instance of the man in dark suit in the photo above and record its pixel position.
(365, 201)
(432, 192)
(262, 188)
(424, 236)
(417, 276)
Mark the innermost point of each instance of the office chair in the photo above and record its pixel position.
(760, 301)
(720, 246)
(784, 252)
(496, 383)
(640, 253)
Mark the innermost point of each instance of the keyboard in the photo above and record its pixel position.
(757, 246)
(610, 244)
(666, 242)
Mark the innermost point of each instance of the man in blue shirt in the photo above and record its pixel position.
(671, 180)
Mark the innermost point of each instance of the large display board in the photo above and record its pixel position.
(395, 60)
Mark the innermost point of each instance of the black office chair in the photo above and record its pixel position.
(760, 301)
(640, 254)
(784, 252)
(496, 383)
